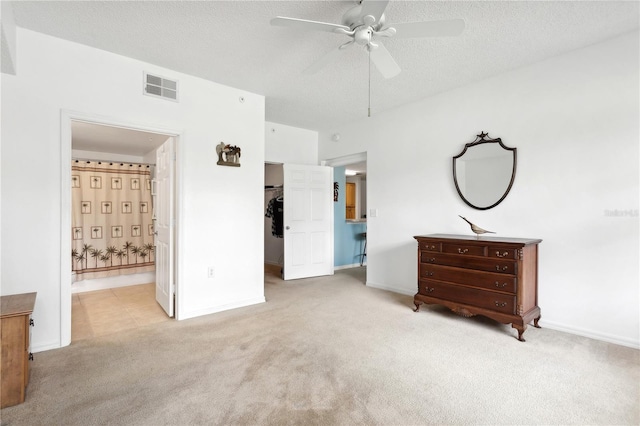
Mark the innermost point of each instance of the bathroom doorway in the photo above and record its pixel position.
(104, 141)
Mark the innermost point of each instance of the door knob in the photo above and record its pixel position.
(287, 228)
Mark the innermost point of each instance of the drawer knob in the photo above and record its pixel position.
(501, 304)
(429, 289)
(504, 268)
(433, 259)
(428, 274)
(462, 251)
(503, 285)
(503, 254)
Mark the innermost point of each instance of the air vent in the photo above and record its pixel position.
(160, 87)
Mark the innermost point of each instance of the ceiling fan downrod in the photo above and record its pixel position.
(369, 108)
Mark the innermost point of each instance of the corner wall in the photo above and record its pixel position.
(575, 121)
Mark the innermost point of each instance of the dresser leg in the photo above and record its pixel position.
(417, 303)
(535, 322)
(521, 329)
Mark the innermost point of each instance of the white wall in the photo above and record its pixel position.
(219, 207)
(293, 145)
(575, 121)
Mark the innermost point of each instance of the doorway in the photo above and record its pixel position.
(350, 225)
(299, 220)
(105, 139)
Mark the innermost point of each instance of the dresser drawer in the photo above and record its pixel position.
(498, 252)
(429, 246)
(480, 264)
(470, 250)
(469, 296)
(491, 281)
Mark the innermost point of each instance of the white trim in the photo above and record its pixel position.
(66, 118)
(224, 307)
(65, 225)
(82, 286)
(45, 347)
(392, 289)
(618, 340)
(353, 265)
(346, 160)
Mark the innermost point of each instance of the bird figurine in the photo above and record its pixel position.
(476, 228)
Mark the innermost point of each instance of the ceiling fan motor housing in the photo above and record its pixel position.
(352, 19)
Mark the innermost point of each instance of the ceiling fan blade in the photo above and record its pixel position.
(374, 8)
(451, 27)
(305, 24)
(383, 60)
(326, 59)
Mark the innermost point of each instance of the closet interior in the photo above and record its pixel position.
(273, 212)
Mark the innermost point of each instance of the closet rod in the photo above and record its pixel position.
(93, 160)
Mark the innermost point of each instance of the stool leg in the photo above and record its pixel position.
(364, 253)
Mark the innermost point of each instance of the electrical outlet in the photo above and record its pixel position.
(373, 212)
(211, 272)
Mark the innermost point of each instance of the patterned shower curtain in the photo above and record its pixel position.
(112, 226)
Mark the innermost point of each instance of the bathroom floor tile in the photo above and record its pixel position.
(106, 312)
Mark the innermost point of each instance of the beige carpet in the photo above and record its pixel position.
(332, 351)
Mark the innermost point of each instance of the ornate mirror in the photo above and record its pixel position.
(484, 172)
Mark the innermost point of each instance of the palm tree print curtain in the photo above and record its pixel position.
(112, 225)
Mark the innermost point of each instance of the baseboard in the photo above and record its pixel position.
(353, 265)
(618, 340)
(45, 347)
(113, 282)
(392, 289)
(221, 308)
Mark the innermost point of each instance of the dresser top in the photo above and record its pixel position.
(17, 304)
(482, 239)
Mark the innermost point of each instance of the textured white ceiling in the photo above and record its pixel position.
(96, 137)
(232, 42)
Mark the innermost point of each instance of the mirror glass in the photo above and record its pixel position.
(484, 172)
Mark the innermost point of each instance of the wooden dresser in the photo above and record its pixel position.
(15, 322)
(490, 276)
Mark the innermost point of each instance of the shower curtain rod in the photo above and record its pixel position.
(112, 162)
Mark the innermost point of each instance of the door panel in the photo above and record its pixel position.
(308, 221)
(163, 226)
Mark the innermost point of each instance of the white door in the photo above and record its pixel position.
(164, 225)
(308, 221)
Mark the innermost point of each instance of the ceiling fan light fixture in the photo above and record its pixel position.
(365, 25)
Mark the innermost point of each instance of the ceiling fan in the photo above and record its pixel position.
(365, 25)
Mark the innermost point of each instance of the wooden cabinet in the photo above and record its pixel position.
(15, 325)
(489, 276)
(350, 201)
